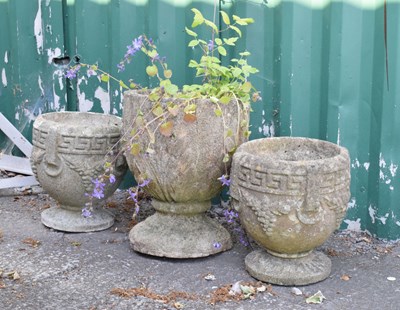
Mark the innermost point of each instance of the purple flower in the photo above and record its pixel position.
(137, 209)
(210, 45)
(86, 213)
(98, 193)
(112, 178)
(71, 73)
(121, 67)
(98, 184)
(217, 245)
(144, 183)
(133, 195)
(137, 43)
(224, 180)
(230, 215)
(157, 57)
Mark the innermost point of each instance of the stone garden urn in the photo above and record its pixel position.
(291, 194)
(184, 169)
(69, 150)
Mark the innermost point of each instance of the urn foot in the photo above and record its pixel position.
(304, 270)
(179, 236)
(71, 221)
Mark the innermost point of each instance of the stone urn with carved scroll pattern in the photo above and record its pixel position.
(291, 194)
(69, 150)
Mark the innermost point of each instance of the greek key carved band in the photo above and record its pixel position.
(279, 183)
(73, 144)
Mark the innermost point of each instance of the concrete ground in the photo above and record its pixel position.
(45, 269)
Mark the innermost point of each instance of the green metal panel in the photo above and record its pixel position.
(30, 36)
(115, 24)
(322, 74)
(323, 63)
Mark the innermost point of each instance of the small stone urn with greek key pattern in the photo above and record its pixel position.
(291, 194)
(69, 150)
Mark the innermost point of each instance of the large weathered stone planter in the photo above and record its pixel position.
(184, 171)
(69, 151)
(292, 193)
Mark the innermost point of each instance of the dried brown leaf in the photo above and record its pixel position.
(31, 242)
(189, 118)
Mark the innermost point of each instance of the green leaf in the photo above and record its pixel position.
(139, 121)
(231, 41)
(226, 158)
(229, 133)
(247, 133)
(174, 110)
(167, 74)
(221, 50)
(123, 85)
(166, 128)
(152, 53)
(152, 70)
(198, 18)
(225, 18)
(248, 20)
(171, 89)
(193, 64)
(105, 78)
(135, 149)
(218, 112)
(157, 111)
(246, 87)
(236, 29)
(241, 22)
(190, 108)
(225, 99)
(193, 43)
(245, 54)
(190, 32)
(211, 24)
(236, 72)
(218, 41)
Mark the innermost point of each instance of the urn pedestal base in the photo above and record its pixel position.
(308, 269)
(179, 236)
(72, 221)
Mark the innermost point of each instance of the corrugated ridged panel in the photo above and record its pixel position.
(324, 67)
(30, 36)
(322, 74)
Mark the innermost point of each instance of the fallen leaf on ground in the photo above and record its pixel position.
(210, 277)
(75, 243)
(2, 285)
(31, 242)
(13, 275)
(178, 305)
(248, 291)
(317, 298)
(296, 291)
(345, 277)
(169, 298)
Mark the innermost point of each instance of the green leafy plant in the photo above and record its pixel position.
(222, 80)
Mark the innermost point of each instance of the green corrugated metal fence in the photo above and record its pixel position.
(322, 74)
